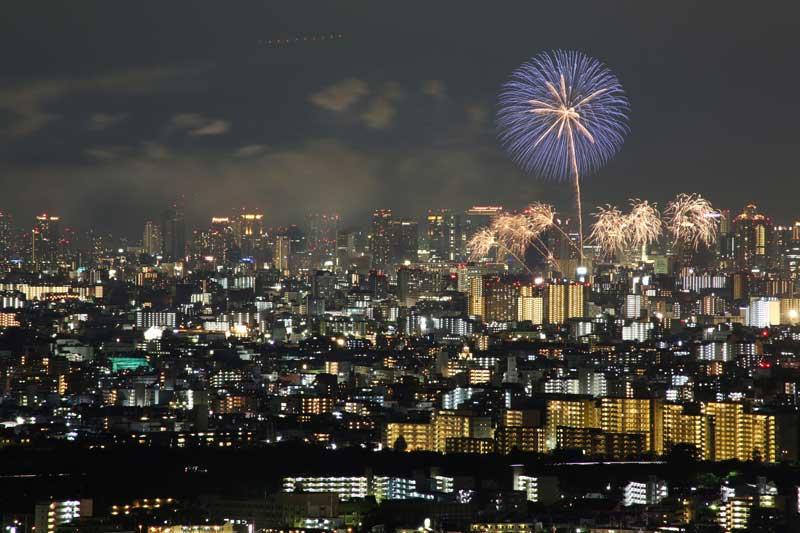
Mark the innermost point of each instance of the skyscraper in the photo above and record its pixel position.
(152, 243)
(346, 248)
(321, 231)
(44, 242)
(173, 233)
(753, 236)
(222, 242)
(249, 234)
(444, 236)
(379, 245)
(404, 241)
(280, 258)
(5, 235)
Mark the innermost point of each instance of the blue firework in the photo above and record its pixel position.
(562, 115)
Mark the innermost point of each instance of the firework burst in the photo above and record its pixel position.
(563, 115)
(643, 224)
(692, 221)
(481, 244)
(609, 231)
(514, 232)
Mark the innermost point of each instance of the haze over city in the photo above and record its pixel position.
(373, 267)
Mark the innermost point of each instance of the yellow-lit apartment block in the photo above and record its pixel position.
(740, 435)
(418, 437)
(530, 307)
(683, 428)
(521, 438)
(576, 413)
(564, 301)
(448, 424)
(634, 415)
(475, 295)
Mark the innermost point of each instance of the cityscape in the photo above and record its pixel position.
(316, 356)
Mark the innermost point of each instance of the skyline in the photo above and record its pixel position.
(127, 114)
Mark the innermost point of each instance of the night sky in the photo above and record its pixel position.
(108, 110)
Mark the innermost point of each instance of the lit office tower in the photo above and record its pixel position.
(321, 231)
(753, 236)
(346, 248)
(564, 301)
(173, 233)
(44, 242)
(780, 249)
(5, 235)
(248, 231)
(379, 245)
(280, 258)
(499, 299)
(792, 253)
(634, 415)
(221, 242)
(444, 236)
(738, 435)
(404, 241)
(151, 238)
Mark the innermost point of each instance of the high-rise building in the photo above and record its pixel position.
(404, 241)
(444, 236)
(379, 245)
(763, 312)
(249, 233)
(686, 429)
(151, 238)
(447, 425)
(475, 301)
(572, 412)
(280, 258)
(346, 248)
(222, 243)
(45, 240)
(564, 301)
(499, 299)
(634, 415)
(6, 235)
(530, 305)
(753, 237)
(321, 236)
(739, 435)
(173, 233)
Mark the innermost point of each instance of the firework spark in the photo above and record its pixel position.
(643, 224)
(481, 244)
(541, 217)
(691, 220)
(563, 115)
(514, 232)
(609, 231)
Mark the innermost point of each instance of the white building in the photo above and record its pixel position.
(763, 312)
(650, 492)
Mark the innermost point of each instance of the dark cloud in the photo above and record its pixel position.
(341, 95)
